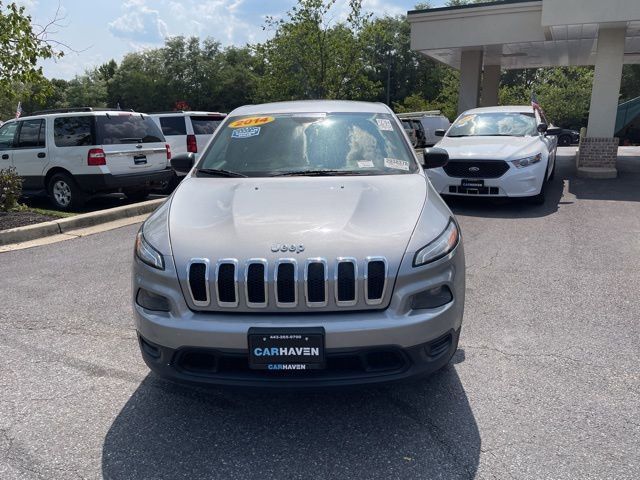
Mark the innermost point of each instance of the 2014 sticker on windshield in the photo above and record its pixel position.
(246, 132)
(251, 122)
(384, 124)
(396, 164)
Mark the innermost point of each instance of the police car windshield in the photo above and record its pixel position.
(494, 124)
(291, 144)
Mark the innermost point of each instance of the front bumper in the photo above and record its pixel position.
(108, 182)
(355, 366)
(516, 182)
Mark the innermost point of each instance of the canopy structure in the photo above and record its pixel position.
(482, 39)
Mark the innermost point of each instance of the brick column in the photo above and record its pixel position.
(597, 157)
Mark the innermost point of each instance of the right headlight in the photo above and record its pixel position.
(147, 254)
(440, 247)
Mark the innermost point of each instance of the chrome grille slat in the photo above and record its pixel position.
(286, 286)
(250, 283)
(313, 285)
(205, 280)
(224, 298)
(342, 282)
(371, 282)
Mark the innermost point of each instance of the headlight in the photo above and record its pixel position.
(147, 254)
(440, 247)
(525, 162)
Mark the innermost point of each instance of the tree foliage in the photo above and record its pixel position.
(20, 49)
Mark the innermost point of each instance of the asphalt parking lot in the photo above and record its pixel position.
(546, 382)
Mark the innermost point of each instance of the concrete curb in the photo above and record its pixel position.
(56, 227)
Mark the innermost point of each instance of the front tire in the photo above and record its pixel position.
(564, 141)
(64, 193)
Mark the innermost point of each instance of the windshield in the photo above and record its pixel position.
(509, 124)
(127, 128)
(336, 143)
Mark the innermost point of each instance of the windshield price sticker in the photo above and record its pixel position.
(396, 164)
(246, 132)
(251, 122)
(384, 124)
(365, 164)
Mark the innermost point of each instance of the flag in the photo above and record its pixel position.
(19, 110)
(534, 103)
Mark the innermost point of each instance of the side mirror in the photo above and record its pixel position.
(553, 131)
(435, 157)
(543, 127)
(440, 132)
(183, 162)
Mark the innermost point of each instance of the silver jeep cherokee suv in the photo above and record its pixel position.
(305, 247)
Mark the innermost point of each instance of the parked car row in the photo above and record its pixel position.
(72, 154)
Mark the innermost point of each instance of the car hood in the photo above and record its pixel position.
(332, 217)
(494, 148)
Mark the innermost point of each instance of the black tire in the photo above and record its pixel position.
(64, 192)
(169, 186)
(564, 141)
(137, 195)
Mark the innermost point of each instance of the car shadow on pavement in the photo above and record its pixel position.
(423, 429)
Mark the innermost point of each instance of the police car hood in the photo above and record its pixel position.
(494, 148)
(327, 217)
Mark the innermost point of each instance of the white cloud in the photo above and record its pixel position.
(139, 23)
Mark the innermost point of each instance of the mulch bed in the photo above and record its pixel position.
(20, 219)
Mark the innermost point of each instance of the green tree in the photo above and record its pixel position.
(312, 56)
(21, 47)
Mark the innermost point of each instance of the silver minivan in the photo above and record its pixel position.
(305, 247)
(72, 154)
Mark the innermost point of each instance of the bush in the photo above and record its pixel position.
(10, 189)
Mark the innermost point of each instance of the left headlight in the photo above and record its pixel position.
(440, 247)
(147, 254)
(525, 162)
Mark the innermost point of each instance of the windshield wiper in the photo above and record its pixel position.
(218, 172)
(319, 173)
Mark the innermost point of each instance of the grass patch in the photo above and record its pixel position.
(44, 211)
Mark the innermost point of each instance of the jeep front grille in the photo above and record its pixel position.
(257, 283)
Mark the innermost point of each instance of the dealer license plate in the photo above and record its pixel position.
(472, 183)
(286, 349)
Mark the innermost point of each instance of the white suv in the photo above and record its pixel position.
(188, 132)
(74, 153)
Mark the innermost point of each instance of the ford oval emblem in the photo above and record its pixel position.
(474, 169)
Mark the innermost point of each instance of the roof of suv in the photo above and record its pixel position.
(309, 106)
(82, 113)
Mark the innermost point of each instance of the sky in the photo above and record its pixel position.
(99, 30)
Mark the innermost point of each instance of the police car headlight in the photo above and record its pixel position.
(526, 162)
(147, 254)
(442, 246)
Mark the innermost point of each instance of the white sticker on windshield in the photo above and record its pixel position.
(384, 124)
(245, 132)
(397, 164)
(365, 164)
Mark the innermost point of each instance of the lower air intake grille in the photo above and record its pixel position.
(286, 288)
(198, 282)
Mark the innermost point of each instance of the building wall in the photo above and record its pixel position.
(575, 12)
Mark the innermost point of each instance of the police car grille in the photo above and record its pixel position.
(476, 168)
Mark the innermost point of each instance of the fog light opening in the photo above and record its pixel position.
(198, 362)
(433, 298)
(152, 301)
